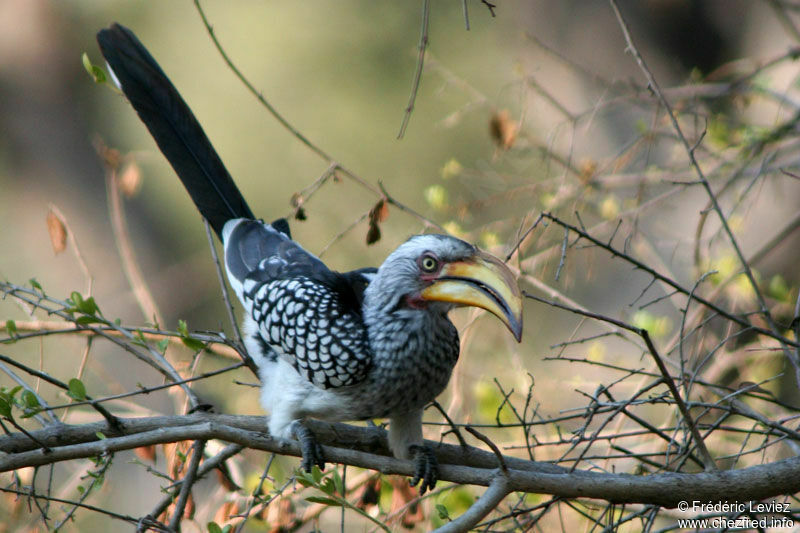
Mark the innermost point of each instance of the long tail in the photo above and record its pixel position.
(175, 129)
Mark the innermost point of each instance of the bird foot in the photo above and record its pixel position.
(426, 467)
(309, 447)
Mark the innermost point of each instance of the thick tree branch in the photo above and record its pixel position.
(366, 448)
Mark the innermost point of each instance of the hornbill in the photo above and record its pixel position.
(360, 345)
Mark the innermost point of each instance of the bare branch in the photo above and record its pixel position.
(423, 44)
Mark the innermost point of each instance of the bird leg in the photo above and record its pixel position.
(405, 440)
(309, 447)
(426, 467)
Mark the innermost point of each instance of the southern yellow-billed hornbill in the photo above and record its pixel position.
(371, 343)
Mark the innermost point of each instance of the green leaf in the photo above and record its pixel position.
(100, 435)
(11, 327)
(338, 483)
(30, 404)
(5, 407)
(227, 529)
(138, 338)
(187, 340)
(97, 73)
(84, 320)
(76, 299)
(328, 487)
(162, 345)
(323, 500)
(193, 344)
(213, 527)
(30, 400)
(442, 510)
(35, 284)
(316, 474)
(77, 390)
(304, 478)
(81, 489)
(86, 306)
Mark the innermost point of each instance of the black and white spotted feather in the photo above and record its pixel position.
(305, 313)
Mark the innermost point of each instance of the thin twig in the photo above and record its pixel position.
(153, 524)
(39, 328)
(480, 436)
(111, 419)
(186, 484)
(148, 390)
(119, 227)
(422, 46)
(237, 336)
(453, 427)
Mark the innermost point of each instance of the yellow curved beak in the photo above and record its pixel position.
(482, 281)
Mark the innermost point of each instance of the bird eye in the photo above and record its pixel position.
(428, 263)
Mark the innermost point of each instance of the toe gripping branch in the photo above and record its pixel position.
(309, 447)
(426, 467)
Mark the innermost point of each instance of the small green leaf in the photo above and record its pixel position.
(323, 500)
(89, 306)
(316, 474)
(35, 284)
(138, 338)
(193, 344)
(77, 390)
(84, 320)
(11, 327)
(328, 487)
(81, 489)
(75, 298)
(30, 404)
(187, 340)
(338, 483)
(162, 345)
(30, 400)
(100, 435)
(5, 407)
(86, 306)
(304, 478)
(227, 529)
(442, 510)
(87, 64)
(97, 73)
(213, 527)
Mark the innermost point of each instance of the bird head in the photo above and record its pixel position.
(439, 272)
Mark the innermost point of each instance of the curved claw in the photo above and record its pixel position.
(309, 447)
(426, 467)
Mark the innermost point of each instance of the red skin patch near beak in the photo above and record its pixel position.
(415, 302)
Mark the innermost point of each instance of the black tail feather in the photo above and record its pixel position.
(175, 129)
